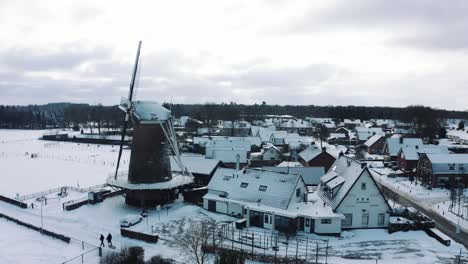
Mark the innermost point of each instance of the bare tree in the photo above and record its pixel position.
(195, 239)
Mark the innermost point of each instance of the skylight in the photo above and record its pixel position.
(262, 188)
(244, 184)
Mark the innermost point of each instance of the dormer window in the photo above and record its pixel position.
(244, 184)
(262, 188)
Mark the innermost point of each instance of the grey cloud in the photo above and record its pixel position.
(420, 23)
(68, 57)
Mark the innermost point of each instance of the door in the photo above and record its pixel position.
(301, 223)
(268, 221)
(211, 206)
(312, 225)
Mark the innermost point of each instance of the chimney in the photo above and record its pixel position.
(324, 149)
(417, 147)
(363, 165)
(237, 162)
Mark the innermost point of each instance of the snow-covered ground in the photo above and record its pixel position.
(21, 245)
(443, 209)
(56, 164)
(59, 164)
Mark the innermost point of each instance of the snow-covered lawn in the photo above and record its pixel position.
(55, 164)
(21, 245)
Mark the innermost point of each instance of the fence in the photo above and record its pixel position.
(13, 202)
(55, 190)
(39, 229)
(90, 253)
(269, 246)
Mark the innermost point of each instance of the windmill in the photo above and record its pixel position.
(149, 180)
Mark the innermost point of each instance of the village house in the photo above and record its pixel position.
(364, 133)
(270, 200)
(443, 170)
(408, 156)
(313, 156)
(201, 168)
(231, 152)
(375, 144)
(351, 123)
(269, 156)
(393, 145)
(349, 189)
(458, 136)
(235, 129)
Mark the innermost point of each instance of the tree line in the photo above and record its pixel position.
(68, 114)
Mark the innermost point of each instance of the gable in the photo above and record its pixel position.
(356, 194)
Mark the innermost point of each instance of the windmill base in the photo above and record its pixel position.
(150, 198)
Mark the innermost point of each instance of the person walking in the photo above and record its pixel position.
(109, 240)
(102, 240)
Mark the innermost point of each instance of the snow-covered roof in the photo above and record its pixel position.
(364, 133)
(245, 185)
(149, 111)
(337, 135)
(371, 141)
(290, 164)
(413, 152)
(195, 164)
(395, 144)
(449, 163)
(346, 168)
(310, 153)
(310, 175)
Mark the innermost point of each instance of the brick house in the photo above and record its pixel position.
(443, 170)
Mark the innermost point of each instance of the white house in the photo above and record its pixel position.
(272, 153)
(271, 200)
(228, 151)
(349, 189)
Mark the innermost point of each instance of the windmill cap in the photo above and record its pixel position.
(148, 111)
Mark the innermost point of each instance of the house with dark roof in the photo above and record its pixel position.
(313, 156)
(443, 170)
(349, 189)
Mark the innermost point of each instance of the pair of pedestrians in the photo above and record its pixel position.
(108, 238)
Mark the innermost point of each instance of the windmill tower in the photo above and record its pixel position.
(149, 180)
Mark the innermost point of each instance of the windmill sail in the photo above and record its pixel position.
(127, 106)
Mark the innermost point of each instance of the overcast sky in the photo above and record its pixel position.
(369, 52)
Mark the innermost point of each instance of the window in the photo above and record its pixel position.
(262, 188)
(460, 167)
(307, 223)
(298, 192)
(325, 221)
(244, 184)
(348, 221)
(226, 178)
(363, 186)
(451, 166)
(381, 220)
(365, 219)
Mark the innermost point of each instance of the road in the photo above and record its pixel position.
(446, 226)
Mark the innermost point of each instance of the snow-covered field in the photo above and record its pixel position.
(21, 245)
(56, 164)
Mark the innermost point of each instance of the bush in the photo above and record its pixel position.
(132, 255)
(231, 257)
